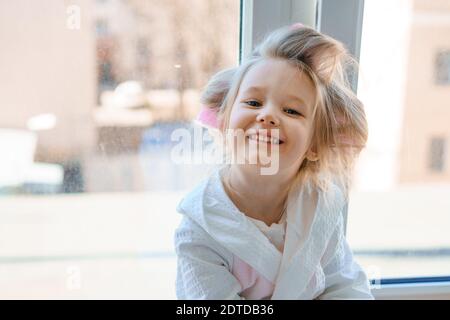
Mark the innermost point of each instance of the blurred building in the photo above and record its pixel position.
(48, 80)
(425, 155)
(48, 68)
(90, 77)
(404, 84)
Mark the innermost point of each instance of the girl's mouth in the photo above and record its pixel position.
(264, 139)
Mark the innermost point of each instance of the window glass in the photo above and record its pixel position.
(91, 93)
(399, 210)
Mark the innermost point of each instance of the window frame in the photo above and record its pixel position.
(342, 20)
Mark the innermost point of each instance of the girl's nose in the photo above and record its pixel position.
(268, 119)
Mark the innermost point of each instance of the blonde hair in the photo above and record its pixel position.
(339, 121)
(217, 88)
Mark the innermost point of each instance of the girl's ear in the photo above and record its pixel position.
(311, 154)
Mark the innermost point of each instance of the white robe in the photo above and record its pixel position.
(316, 262)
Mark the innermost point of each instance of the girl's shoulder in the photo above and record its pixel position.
(188, 230)
(328, 194)
(332, 195)
(198, 189)
(190, 238)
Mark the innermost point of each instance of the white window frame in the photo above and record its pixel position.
(342, 20)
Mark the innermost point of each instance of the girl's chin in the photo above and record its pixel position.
(256, 153)
(262, 159)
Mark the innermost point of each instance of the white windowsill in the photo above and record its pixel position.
(413, 291)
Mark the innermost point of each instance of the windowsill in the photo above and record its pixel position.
(413, 291)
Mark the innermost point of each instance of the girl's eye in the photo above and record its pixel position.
(253, 103)
(292, 112)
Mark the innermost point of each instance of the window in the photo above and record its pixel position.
(393, 187)
(443, 67)
(437, 154)
(87, 186)
(398, 210)
(101, 28)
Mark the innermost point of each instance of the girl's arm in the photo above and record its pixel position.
(344, 278)
(202, 266)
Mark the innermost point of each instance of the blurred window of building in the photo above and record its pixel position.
(101, 27)
(443, 67)
(437, 154)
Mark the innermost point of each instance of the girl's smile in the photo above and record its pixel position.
(264, 136)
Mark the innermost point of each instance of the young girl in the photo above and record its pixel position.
(247, 235)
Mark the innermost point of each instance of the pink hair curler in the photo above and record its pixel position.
(296, 25)
(208, 117)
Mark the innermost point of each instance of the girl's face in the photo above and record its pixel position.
(275, 95)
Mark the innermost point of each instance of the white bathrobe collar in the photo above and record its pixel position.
(210, 207)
